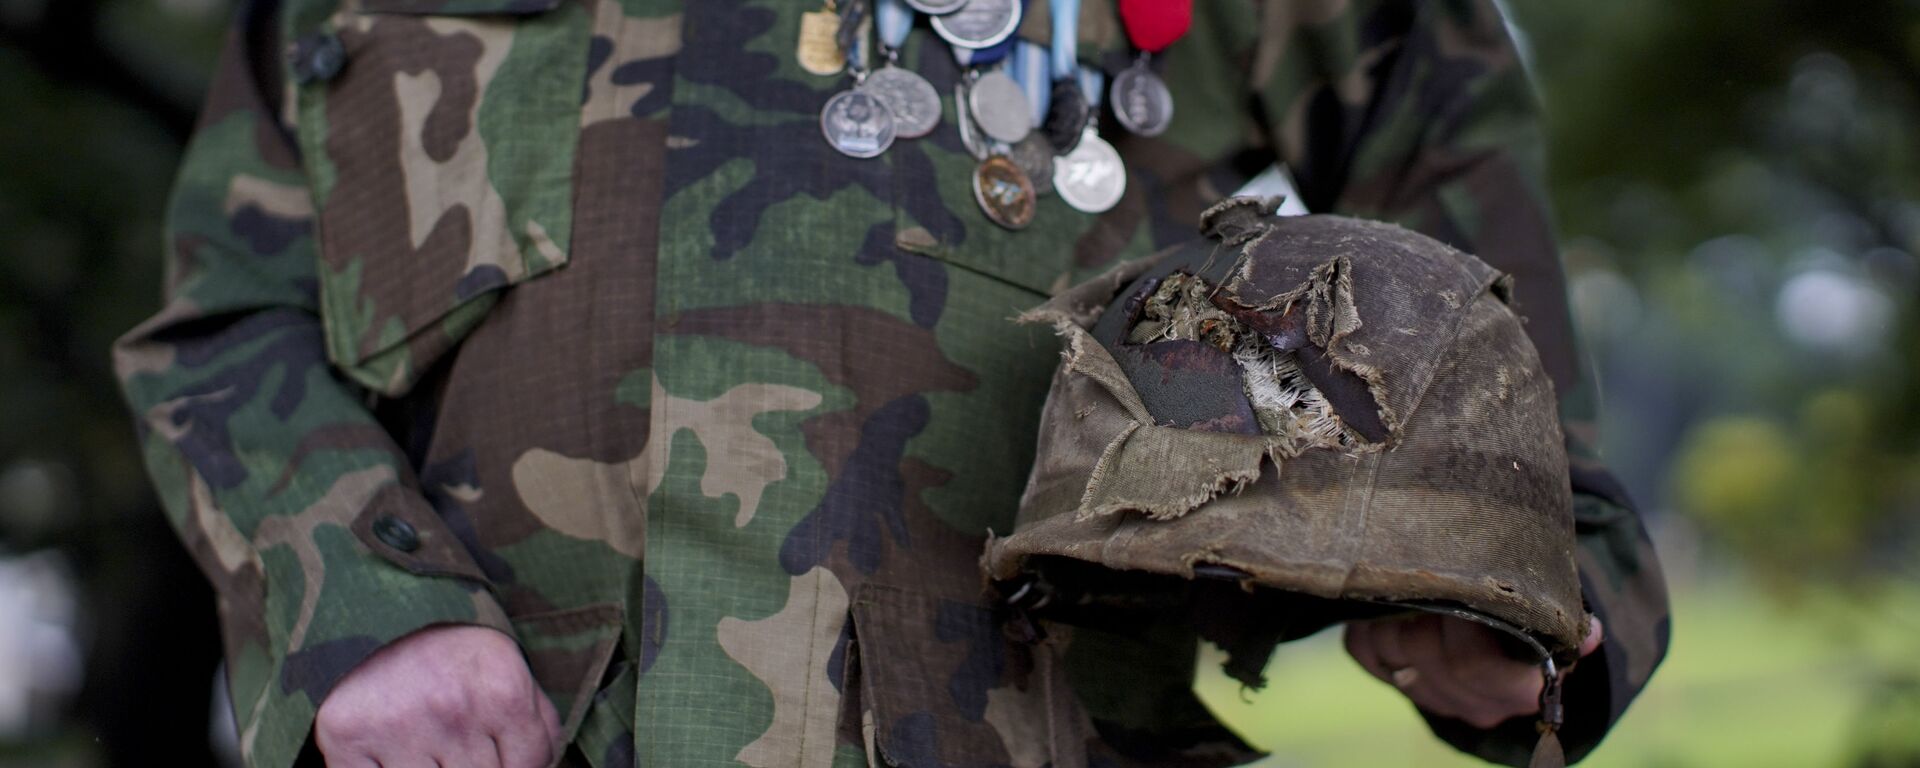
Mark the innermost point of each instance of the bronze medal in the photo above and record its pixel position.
(819, 49)
(1004, 193)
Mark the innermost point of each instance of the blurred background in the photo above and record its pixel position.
(1738, 187)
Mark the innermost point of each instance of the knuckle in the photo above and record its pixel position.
(501, 691)
(447, 706)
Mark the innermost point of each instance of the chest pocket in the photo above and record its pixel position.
(440, 143)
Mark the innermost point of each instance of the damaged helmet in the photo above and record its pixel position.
(1296, 422)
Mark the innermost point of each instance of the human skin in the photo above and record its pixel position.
(449, 695)
(463, 695)
(1453, 667)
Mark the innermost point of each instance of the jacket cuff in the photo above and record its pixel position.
(334, 596)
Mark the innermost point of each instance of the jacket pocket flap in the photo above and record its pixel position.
(443, 159)
(941, 685)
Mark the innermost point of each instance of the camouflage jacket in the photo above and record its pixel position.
(558, 316)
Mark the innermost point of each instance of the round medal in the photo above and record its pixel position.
(979, 23)
(1091, 178)
(1034, 155)
(1141, 101)
(1000, 107)
(1003, 192)
(1067, 115)
(857, 124)
(912, 100)
(936, 7)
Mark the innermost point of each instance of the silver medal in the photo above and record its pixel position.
(936, 7)
(1091, 178)
(1034, 155)
(1000, 107)
(970, 137)
(912, 100)
(857, 124)
(1141, 101)
(979, 23)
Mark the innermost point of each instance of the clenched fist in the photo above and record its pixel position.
(1453, 667)
(442, 696)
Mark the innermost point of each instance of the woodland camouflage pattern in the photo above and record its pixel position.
(716, 420)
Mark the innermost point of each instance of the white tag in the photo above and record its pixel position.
(1275, 180)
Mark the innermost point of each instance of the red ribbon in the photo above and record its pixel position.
(1155, 24)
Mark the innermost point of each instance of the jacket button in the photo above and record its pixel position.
(318, 57)
(396, 533)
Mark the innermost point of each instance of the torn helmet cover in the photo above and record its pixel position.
(1339, 410)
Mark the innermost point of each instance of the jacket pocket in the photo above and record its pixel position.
(442, 154)
(940, 684)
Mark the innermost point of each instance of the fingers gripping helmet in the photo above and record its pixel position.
(1294, 422)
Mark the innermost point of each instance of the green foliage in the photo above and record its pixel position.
(1740, 192)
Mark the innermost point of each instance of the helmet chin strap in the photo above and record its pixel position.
(1547, 752)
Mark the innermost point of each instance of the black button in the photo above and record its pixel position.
(317, 57)
(396, 533)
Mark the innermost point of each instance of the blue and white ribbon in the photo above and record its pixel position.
(1030, 68)
(895, 20)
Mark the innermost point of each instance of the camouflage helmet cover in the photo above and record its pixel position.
(1322, 406)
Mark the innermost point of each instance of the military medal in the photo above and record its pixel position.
(1004, 192)
(988, 101)
(1068, 111)
(857, 123)
(1034, 156)
(854, 121)
(1068, 115)
(913, 101)
(819, 48)
(970, 136)
(1140, 99)
(979, 23)
(999, 106)
(1091, 178)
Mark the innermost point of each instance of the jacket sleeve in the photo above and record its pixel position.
(299, 507)
(1421, 113)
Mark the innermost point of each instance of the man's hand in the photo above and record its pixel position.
(446, 696)
(1453, 667)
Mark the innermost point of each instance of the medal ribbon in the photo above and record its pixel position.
(1153, 25)
(895, 20)
(1066, 36)
(1093, 82)
(981, 57)
(1028, 67)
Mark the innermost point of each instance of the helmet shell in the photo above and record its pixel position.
(1334, 408)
